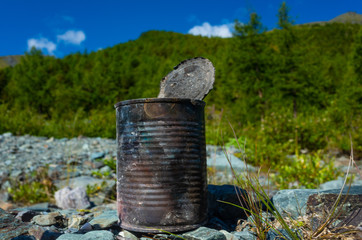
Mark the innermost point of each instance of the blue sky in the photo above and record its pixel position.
(62, 27)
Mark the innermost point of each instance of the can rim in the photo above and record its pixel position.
(160, 100)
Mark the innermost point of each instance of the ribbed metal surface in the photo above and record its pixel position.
(161, 164)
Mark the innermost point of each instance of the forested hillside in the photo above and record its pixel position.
(283, 91)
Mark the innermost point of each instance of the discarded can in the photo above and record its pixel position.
(161, 164)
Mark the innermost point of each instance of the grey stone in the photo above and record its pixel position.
(127, 235)
(68, 198)
(4, 197)
(40, 233)
(217, 160)
(273, 235)
(105, 220)
(204, 233)
(293, 202)
(47, 219)
(337, 184)
(244, 235)
(7, 134)
(70, 236)
(83, 182)
(86, 227)
(75, 221)
(10, 227)
(98, 235)
(39, 207)
(24, 237)
(97, 155)
(192, 78)
(228, 235)
(105, 169)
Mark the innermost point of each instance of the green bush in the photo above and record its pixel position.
(305, 171)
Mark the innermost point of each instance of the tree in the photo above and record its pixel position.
(284, 20)
(254, 58)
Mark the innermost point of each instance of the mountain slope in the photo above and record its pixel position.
(10, 60)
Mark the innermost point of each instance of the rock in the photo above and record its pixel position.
(75, 221)
(338, 184)
(47, 219)
(223, 211)
(4, 197)
(39, 233)
(97, 155)
(86, 227)
(217, 160)
(244, 235)
(24, 237)
(26, 216)
(354, 219)
(39, 207)
(204, 233)
(70, 236)
(273, 235)
(10, 227)
(293, 203)
(7, 134)
(127, 235)
(68, 198)
(105, 220)
(323, 202)
(83, 182)
(98, 235)
(228, 235)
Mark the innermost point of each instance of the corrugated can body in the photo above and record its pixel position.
(161, 164)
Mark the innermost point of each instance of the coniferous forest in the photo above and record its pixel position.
(292, 89)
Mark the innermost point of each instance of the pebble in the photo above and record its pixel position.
(48, 219)
(105, 220)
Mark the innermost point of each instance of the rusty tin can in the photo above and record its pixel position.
(161, 164)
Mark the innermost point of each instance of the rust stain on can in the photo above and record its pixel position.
(161, 164)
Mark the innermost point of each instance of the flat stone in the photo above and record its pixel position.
(97, 155)
(204, 233)
(48, 219)
(82, 181)
(75, 221)
(40, 233)
(323, 202)
(273, 235)
(244, 235)
(228, 235)
(67, 198)
(127, 235)
(70, 236)
(105, 220)
(10, 227)
(98, 235)
(39, 207)
(24, 237)
(293, 202)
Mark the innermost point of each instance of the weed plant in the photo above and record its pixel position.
(35, 188)
(302, 228)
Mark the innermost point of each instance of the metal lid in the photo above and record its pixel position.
(192, 78)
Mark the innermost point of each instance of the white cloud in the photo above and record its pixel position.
(42, 43)
(73, 37)
(206, 29)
